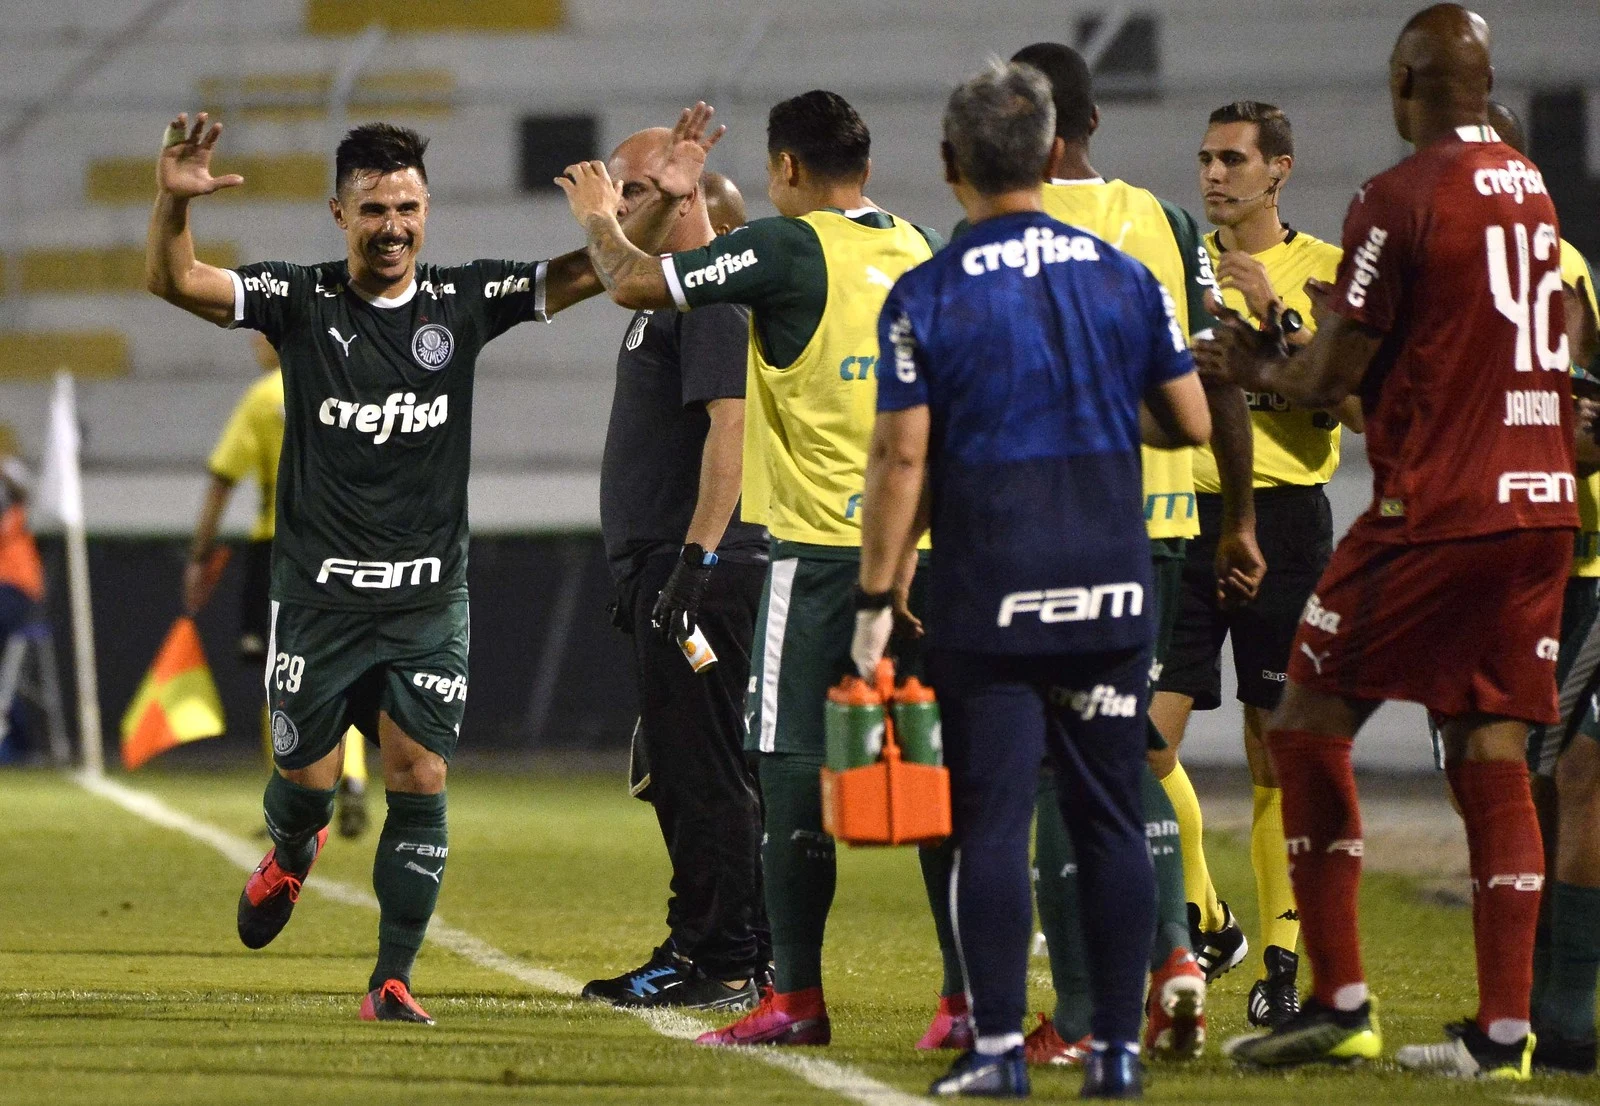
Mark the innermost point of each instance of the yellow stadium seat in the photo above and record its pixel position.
(267, 178)
(39, 354)
(348, 17)
(291, 97)
(89, 270)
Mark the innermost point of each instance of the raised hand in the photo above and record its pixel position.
(590, 190)
(1240, 271)
(1232, 354)
(1320, 292)
(686, 152)
(184, 169)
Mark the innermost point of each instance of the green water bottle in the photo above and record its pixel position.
(916, 723)
(853, 723)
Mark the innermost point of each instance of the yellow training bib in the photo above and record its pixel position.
(1133, 221)
(807, 426)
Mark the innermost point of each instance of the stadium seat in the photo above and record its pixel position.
(40, 354)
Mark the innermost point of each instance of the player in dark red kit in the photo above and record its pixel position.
(1447, 319)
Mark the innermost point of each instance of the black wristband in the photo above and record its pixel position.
(867, 601)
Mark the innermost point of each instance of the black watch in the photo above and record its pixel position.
(873, 601)
(1290, 322)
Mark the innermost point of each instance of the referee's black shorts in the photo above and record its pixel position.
(1294, 527)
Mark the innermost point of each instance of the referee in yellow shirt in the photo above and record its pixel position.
(1262, 266)
(249, 447)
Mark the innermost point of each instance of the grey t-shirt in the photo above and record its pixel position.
(670, 366)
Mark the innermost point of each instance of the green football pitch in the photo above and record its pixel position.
(122, 980)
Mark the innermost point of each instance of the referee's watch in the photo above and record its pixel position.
(1290, 322)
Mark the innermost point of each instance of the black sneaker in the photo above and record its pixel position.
(1274, 1000)
(1554, 1052)
(667, 979)
(1316, 1035)
(1218, 951)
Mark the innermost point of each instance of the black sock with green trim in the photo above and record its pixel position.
(294, 816)
(406, 875)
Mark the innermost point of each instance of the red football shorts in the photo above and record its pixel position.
(1459, 626)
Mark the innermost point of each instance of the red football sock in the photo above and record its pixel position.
(1452, 774)
(1507, 873)
(1322, 826)
(805, 1003)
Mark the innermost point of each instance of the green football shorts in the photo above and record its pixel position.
(802, 644)
(330, 670)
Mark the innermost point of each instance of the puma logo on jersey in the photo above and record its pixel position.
(877, 276)
(343, 342)
(1122, 235)
(1316, 658)
(380, 422)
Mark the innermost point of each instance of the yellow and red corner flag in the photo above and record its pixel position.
(176, 703)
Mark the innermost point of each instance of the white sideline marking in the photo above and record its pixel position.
(826, 1075)
(1541, 1100)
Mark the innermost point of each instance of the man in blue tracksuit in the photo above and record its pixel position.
(1022, 364)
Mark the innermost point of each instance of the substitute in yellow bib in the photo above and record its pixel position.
(1262, 264)
(815, 279)
(249, 448)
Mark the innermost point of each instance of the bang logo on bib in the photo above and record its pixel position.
(431, 347)
(285, 737)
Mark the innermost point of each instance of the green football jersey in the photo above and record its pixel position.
(372, 483)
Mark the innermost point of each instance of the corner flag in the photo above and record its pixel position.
(176, 703)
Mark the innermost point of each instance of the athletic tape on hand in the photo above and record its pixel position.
(173, 136)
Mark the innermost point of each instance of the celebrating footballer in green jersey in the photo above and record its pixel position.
(369, 599)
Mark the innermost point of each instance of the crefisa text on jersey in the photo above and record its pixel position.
(1037, 246)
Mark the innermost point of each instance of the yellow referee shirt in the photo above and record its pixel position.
(1586, 555)
(250, 445)
(1292, 446)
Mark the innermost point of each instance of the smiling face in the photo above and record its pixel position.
(382, 216)
(1235, 179)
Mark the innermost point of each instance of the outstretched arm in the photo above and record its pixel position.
(632, 277)
(1319, 375)
(584, 273)
(171, 270)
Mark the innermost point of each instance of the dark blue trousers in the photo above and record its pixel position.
(1002, 716)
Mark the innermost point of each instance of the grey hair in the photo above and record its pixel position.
(1000, 124)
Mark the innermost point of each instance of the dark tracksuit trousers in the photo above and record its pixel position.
(703, 790)
(1002, 715)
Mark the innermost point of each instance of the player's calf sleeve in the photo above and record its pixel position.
(1280, 921)
(799, 865)
(407, 872)
(1191, 826)
(355, 760)
(1166, 853)
(1507, 874)
(936, 861)
(294, 815)
(1322, 831)
(1568, 1004)
(1060, 916)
